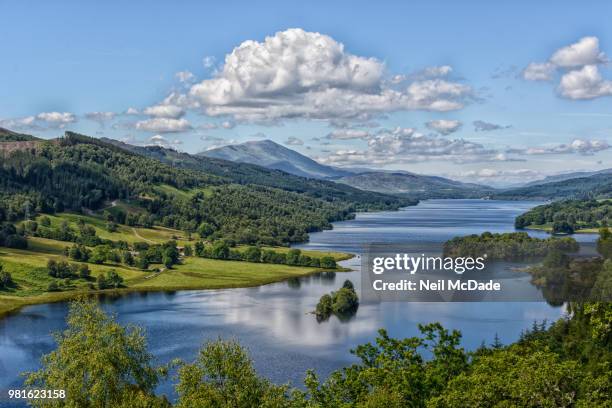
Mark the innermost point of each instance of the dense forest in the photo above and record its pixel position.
(508, 246)
(569, 216)
(80, 173)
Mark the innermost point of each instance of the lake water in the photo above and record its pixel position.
(273, 322)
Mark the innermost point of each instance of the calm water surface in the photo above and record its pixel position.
(272, 321)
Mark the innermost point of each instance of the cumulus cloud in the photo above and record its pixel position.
(347, 134)
(539, 71)
(132, 111)
(208, 61)
(163, 125)
(482, 126)
(444, 126)
(164, 111)
(228, 124)
(407, 145)
(41, 121)
(584, 52)
(100, 117)
(579, 63)
(159, 140)
(294, 141)
(585, 83)
(299, 74)
(577, 146)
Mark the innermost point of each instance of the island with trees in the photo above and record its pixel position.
(568, 216)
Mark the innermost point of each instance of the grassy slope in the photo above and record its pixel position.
(28, 267)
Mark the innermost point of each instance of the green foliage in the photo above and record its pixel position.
(98, 363)
(112, 280)
(343, 303)
(568, 216)
(604, 243)
(6, 279)
(223, 376)
(510, 246)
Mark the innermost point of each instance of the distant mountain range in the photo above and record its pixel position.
(274, 156)
(567, 176)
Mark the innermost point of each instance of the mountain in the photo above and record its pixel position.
(80, 173)
(567, 176)
(598, 185)
(414, 185)
(269, 154)
(251, 174)
(10, 136)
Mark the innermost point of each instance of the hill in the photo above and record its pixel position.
(598, 185)
(80, 173)
(10, 136)
(567, 176)
(269, 154)
(414, 185)
(246, 174)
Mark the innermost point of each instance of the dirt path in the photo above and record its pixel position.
(141, 237)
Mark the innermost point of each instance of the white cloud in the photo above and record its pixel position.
(444, 126)
(294, 141)
(25, 123)
(100, 117)
(347, 134)
(228, 124)
(164, 111)
(163, 125)
(585, 83)
(132, 111)
(539, 71)
(583, 80)
(56, 117)
(577, 146)
(584, 52)
(310, 75)
(185, 76)
(406, 145)
(208, 61)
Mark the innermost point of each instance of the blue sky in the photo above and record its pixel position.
(402, 65)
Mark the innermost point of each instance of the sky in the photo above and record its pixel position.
(490, 92)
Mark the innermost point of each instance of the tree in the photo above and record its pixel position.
(220, 250)
(204, 230)
(84, 272)
(293, 256)
(223, 376)
(328, 262)
(199, 248)
(5, 279)
(562, 227)
(127, 258)
(252, 254)
(188, 251)
(98, 363)
(324, 308)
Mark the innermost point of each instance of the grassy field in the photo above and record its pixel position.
(28, 267)
(548, 228)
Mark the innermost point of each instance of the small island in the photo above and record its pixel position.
(342, 303)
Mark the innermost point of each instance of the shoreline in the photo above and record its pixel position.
(13, 304)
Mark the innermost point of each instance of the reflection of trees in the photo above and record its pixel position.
(294, 283)
(582, 279)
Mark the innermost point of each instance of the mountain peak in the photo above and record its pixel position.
(270, 154)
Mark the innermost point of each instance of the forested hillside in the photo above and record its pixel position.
(568, 216)
(595, 186)
(79, 173)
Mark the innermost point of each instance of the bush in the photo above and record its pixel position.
(6, 279)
